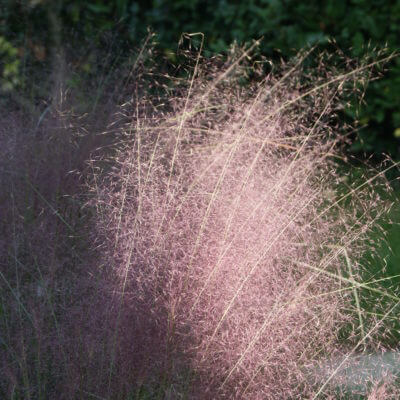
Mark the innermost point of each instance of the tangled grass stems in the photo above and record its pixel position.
(293, 300)
(362, 340)
(196, 210)
(227, 251)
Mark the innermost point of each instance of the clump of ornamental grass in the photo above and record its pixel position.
(222, 254)
(45, 292)
(42, 246)
(231, 245)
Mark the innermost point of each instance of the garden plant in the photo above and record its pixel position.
(197, 234)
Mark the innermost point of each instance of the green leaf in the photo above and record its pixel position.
(358, 43)
(99, 8)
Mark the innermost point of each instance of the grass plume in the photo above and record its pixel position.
(223, 198)
(227, 251)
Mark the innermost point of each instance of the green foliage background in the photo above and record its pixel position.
(285, 25)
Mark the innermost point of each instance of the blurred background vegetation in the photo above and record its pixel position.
(32, 31)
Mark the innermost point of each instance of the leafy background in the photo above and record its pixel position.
(286, 26)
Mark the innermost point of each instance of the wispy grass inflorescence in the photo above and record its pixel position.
(235, 242)
(208, 240)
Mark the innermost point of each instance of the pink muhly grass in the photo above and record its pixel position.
(44, 285)
(226, 233)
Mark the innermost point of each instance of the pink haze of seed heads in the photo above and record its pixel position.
(221, 202)
(195, 236)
